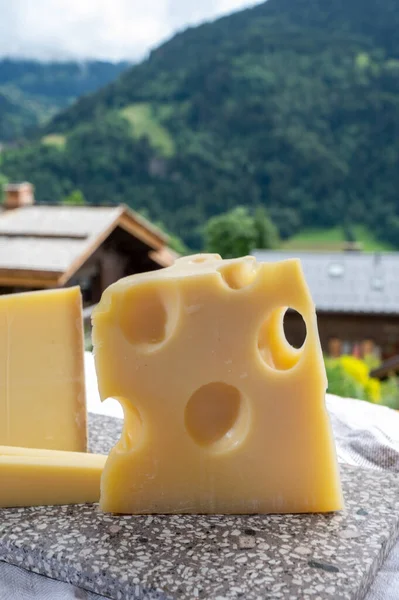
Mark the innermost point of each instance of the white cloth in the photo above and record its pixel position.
(367, 435)
(18, 584)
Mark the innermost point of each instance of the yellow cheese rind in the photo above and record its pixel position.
(222, 415)
(40, 478)
(42, 386)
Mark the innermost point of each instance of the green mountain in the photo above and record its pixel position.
(293, 104)
(31, 92)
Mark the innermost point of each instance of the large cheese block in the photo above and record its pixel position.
(42, 387)
(30, 477)
(222, 415)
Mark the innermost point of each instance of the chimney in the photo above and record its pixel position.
(17, 195)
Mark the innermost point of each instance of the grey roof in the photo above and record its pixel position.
(347, 282)
(62, 221)
(50, 238)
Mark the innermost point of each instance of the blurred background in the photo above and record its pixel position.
(132, 132)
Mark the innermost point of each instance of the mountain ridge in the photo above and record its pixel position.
(293, 15)
(291, 104)
(32, 91)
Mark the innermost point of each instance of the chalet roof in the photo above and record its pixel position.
(347, 282)
(53, 240)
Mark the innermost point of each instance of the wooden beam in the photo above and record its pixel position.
(29, 273)
(140, 232)
(28, 283)
(145, 224)
(163, 257)
(44, 236)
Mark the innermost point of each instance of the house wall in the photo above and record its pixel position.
(104, 267)
(113, 266)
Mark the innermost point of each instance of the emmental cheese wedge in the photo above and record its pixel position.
(42, 386)
(222, 415)
(30, 477)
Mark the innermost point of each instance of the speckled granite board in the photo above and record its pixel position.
(304, 557)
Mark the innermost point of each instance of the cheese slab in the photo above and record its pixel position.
(222, 415)
(42, 386)
(213, 556)
(31, 477)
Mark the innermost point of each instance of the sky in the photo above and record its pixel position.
(105, 29)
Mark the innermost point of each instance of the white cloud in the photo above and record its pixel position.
(109, 29)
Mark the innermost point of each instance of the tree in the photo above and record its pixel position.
(75, 198)
(3, 181)
(177, 244)
(231, 234)
(347, 228)
(174, 241)
(238, 232)
(266, 232)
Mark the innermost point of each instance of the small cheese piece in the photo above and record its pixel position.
(21, 451)
(42, 387)
(222, 415)
(31, 477)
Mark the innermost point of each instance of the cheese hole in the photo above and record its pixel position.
(216, 416)
(274, 347)
(294, 328)
(238, 275)
(147, 316)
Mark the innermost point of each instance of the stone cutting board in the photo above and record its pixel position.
(292, 557)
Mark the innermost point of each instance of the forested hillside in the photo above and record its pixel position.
(32, 92)
(293, 105)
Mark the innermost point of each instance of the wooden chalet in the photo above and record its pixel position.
(52, 246)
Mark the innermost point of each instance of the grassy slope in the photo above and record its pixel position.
(145, 123)
(54, 139)
(333, 239)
